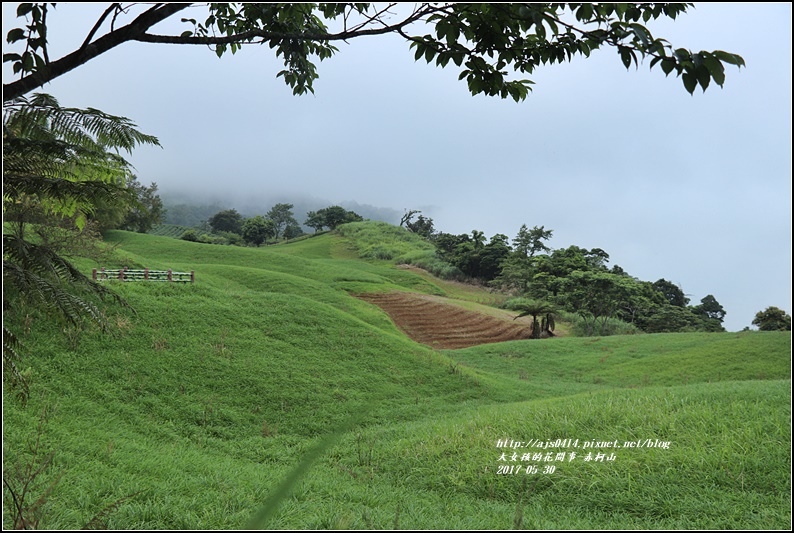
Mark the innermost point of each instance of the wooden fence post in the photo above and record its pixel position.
(192, 276)
(93, 274)
(169, 275)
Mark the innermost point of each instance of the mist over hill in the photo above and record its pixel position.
(191, 209)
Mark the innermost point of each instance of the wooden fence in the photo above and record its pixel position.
(125, 274)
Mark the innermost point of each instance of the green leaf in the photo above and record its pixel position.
(585, 12)
(419, 51)
(17, 34)
(442, 28)
(27, 61)
(24, 9)
(690, 82)
(727, 57)
(625, 56)
(187, 33)
(703, 77)
(641, 32)
(475, 85)
(668, 64)
(697, 59)
(452, 34)
(716, 69)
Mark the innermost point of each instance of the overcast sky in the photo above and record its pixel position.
(693, 189)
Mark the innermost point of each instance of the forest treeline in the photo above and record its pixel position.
(572, 279)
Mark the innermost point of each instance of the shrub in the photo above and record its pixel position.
(206, 238)
(190, 235)
(231, 238)
(615, 326)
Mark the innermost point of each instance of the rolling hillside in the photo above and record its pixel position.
(199, 405)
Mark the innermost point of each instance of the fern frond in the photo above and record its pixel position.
(11, 346)
(41, 261)
(41, 117)
(47, 293)
(84, 193)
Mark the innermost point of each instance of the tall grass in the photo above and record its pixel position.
(580, 327)
(382, 241)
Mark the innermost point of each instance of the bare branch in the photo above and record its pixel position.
(44, 37)
(375, 17)
(99, 22)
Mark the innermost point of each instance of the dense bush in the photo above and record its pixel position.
(585, 328)
(190, 235)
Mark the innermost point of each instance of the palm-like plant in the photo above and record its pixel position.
(535, 309)
(62, 161)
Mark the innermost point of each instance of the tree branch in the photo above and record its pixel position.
(264, 35)
(130, 32)
(98, 24)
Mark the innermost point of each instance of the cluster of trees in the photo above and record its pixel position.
(330, 217)
(573, 279)
(279, 223)
(772, 319)
(138, 209)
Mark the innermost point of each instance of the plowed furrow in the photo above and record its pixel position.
(443, 325)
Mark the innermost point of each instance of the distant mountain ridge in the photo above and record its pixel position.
(192, 210)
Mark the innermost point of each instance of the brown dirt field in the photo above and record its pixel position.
(431, 321)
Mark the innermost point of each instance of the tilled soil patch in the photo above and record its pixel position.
(440, 325)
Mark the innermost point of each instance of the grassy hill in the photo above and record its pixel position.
(199, 405)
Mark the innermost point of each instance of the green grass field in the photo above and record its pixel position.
(199, 407)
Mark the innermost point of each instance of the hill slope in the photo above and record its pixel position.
(200, 404)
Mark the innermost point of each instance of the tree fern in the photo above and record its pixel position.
(535, 309)
(63, 161)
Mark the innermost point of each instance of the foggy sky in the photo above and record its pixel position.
(693, 189)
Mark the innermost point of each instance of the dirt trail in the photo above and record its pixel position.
(430, 321)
